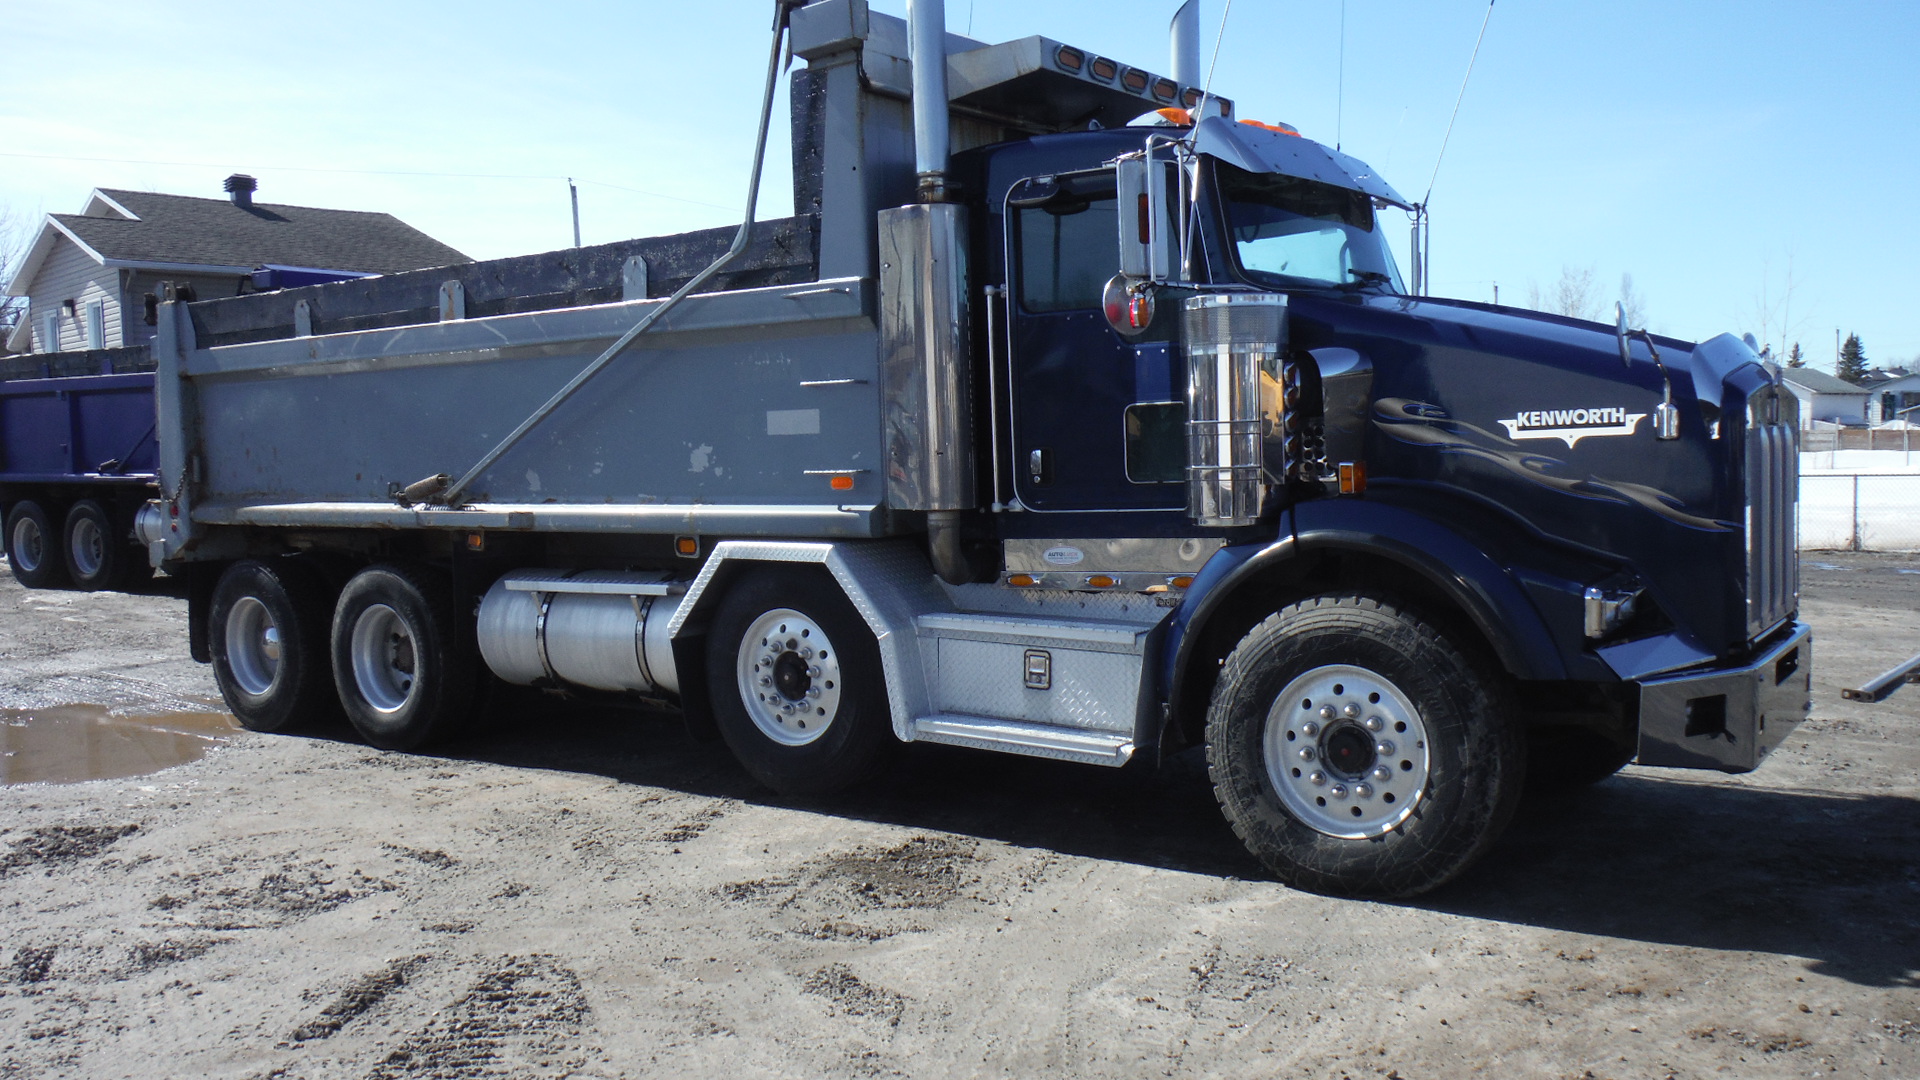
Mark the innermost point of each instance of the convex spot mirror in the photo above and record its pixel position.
(1128, 304)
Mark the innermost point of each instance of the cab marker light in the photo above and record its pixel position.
(1353, 478)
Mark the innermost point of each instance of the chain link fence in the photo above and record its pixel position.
(1864, 511)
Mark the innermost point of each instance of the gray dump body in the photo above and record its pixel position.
(766, 409)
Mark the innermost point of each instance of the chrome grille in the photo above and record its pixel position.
(1773, 500)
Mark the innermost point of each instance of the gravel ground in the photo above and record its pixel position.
(582, 891)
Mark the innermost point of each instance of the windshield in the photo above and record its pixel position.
(1292, 232)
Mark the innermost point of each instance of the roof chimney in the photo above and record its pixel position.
(240, 188)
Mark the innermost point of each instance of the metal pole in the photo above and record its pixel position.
(927, 46)
(575, 192)
(1855, 545)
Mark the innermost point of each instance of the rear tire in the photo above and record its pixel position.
(405, 673)
(1355, 750)
(798, 691)
(33, 547)
(267, 631)
(98, 554)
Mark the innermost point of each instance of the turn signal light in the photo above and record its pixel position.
(1353, 478)
(1022, 581)
(841, 483)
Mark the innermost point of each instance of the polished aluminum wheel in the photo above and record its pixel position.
(384, 658)
(29, 545)
(86, 548)
(789, 675)
(253, 646)
(1346, 752)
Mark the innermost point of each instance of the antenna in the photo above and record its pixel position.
(1422, 222)
(1340, 87)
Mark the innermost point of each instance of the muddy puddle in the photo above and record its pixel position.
(69, 743)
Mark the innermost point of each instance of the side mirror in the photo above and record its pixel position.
(1620, 333)
(1128, 304)
(1148, 232)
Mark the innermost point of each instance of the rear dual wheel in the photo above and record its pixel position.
(268, 634)
(1356, 750)
(99, 555)
(33, 547)
(404, 672)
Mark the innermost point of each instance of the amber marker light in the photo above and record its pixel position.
(686, 545)
(1070, 58)
(1134, 80)
(1021, 581)
(476, 541)
(1181, 582)
(841, 483)
(1353, 478)
(1101, 581)
(1103, 69)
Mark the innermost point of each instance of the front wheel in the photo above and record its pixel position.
(797, 687)
(1356, 750)
(405, 673)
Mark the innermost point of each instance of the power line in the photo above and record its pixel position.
(367, 172)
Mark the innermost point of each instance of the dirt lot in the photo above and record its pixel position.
(588, 893)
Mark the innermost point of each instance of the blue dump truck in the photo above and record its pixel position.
(77, 460)
(1069, 416)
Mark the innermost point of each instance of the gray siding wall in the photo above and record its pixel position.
(71, 274)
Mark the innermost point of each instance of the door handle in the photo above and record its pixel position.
(1038, 467)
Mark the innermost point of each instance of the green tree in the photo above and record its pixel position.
(1853, 360)
(1795, 358)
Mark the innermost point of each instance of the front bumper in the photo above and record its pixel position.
(1728, 718)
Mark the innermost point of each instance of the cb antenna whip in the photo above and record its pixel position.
(1456, 102)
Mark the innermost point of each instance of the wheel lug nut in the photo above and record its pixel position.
(813, 672)
(1338, 791)
(766, 680)
(813, 691)
(1316, 778)
(1383, 748)
(1306, 753)
(1374, 723)
(1309, 729)
(806, 653)
(1363, 791)
(1350, 710)
(1383, 774)
(1327, 713)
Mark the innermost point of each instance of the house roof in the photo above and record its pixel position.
(146, 230)
(1819, 381)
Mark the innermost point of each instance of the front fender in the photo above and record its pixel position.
(1483, 590)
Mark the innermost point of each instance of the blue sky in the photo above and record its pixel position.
(1746, 162)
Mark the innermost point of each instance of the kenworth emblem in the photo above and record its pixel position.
(1572, 425)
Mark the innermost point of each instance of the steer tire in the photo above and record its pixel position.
(791, 740)
(267, 632)
(1294, 731)
(405, 672)
(34, 551)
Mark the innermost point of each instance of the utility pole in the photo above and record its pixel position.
(575, 192)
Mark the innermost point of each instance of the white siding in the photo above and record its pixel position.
(71, 274)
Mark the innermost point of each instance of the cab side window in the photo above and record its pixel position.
(1067, 253)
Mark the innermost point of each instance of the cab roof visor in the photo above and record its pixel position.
(1260, 151)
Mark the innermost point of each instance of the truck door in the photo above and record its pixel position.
(1097, 421)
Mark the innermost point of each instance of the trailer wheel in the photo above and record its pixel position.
(798, 691)
(268, 636)
(405, 673)
(33, 547)
(1355, 750)
(98, 555)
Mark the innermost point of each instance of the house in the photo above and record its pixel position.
(1825, 397)
(1897, 399)
(91, 279)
